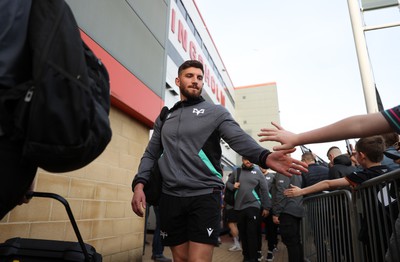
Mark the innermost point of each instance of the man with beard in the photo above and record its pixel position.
(190, 166)
(252, 202)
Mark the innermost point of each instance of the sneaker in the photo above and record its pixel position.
(235, 248)
(260, 256)
(270, 256)
(161, 258)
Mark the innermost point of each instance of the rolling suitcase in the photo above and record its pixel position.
(40, 250)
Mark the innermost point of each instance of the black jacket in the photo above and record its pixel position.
(315, 174)
(341, 167)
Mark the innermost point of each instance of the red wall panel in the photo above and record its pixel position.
(128, 93)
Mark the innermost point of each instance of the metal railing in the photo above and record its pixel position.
(357, 225)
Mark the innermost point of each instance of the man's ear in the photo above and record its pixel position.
(177, 81)
(330, 157)
(362, 155)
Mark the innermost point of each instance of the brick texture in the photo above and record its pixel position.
(99, 195)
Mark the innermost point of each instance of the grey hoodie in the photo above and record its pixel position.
(253, 190)
(191, 160)
(288, 205)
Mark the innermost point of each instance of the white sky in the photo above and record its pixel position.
(307, 48)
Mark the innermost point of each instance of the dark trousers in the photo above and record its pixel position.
(249, 225)
(16, 175)
(271, 232)
(289, 227)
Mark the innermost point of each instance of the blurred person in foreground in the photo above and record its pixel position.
(18, 173)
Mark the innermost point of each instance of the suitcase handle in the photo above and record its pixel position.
(70, 215)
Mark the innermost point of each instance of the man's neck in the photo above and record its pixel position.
(370, 164)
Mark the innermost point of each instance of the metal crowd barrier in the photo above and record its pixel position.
(355, 225)
(376, 207)
(326, 227)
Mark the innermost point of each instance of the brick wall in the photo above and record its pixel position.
(99, 195)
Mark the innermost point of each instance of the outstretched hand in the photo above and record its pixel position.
(281, 162)
(286, 138)
(293, 191)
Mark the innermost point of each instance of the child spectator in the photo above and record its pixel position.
(369, 153)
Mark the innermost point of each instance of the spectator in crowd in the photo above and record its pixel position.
(391, 149)
(190, 165)
(395, 156)
(271, 229)
(351, 127)
(250, 197)
(288, 213)
(369, 153)
(341, 164)
(315, 172)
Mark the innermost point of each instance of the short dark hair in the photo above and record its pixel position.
(190, 63)
(372, 147)
(331, 148)
(390, 139)
(307, 156)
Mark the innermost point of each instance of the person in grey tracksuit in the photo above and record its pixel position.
(271, 229)
(288, 213)
(191, 170)
(190, 162)
(251, 202)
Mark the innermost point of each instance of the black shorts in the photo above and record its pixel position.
(231, 216)
(195, 219)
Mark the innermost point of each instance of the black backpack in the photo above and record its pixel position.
(153, 188)
(229, 195)
(61, 114)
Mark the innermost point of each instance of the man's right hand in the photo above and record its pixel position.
(138, 202)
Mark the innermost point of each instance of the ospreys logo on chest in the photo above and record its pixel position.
(198, 111)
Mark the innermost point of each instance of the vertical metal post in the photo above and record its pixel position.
(367, 78)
